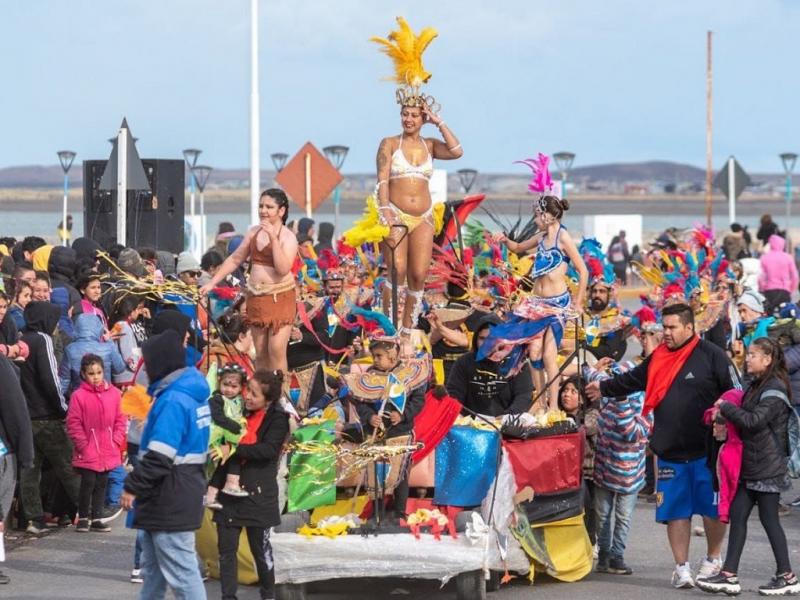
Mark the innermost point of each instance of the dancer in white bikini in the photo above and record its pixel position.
(405, 167)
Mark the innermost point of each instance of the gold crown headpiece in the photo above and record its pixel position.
(408, 96)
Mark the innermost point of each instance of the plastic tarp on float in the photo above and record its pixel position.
(545, 533)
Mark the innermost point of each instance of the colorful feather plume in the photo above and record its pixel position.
(405, 48)
(645, 319)
(372, 320)
(328, 260)
(541, 182)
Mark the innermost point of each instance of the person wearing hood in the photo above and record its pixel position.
(305, 231)
(479, 386)
(324, 237)
(88, 340)
(778, 278)
(16, 440)
(61, 268)
(47, 407)
(41, 258)
(165, 262)
(165, 490)
(86, 251)
(225, 231)
(173, 318)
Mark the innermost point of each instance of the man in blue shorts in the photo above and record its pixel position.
(682, 378)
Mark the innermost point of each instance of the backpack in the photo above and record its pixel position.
(793, 431)
(785, 331)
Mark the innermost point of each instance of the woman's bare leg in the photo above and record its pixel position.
(260, 335)
(400, 256)
(550, 358)
(276, 349)
(419, 263)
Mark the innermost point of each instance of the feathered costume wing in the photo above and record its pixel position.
(405, 48)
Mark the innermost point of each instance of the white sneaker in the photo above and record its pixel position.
(682, 577)
(709, 568)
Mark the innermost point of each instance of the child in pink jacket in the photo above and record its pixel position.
(729, 459)
(96, 426)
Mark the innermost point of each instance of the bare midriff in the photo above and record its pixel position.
(262, 274)
(411, 195)
(552, 284)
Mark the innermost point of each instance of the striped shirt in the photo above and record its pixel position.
(622, 435)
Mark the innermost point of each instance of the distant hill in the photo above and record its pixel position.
(654, 170)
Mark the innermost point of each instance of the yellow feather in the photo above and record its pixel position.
(368, 228)
(438, 217)
(406, 49)
(651, 275)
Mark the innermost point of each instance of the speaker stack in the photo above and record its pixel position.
(154, 218)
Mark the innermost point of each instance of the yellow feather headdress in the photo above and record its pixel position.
(405, 48)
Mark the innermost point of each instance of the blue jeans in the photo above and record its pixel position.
(168, 558)
(612, 506)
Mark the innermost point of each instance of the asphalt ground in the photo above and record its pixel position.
(68, 565)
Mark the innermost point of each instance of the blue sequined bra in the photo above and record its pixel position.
(548, 260)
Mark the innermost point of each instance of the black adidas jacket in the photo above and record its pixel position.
(679, 434)
(39, 372)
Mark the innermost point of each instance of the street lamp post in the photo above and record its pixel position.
(789, 159)
(279, 160)
(467, 178)
(564, 162)
(201, 173)
(66, 158)
(336, 155)
(190, 156)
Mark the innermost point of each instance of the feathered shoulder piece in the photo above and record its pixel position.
(601, 272)
(406, 48)
(541, 181)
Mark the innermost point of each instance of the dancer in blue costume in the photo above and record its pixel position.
(537, 322)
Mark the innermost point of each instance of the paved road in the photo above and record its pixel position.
(72, 566)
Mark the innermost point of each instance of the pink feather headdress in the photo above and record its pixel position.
(541, 182)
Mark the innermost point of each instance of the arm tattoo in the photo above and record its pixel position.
(382, 158)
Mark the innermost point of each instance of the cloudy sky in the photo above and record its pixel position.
(617, 80)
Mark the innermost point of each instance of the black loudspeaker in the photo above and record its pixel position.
(154, 219)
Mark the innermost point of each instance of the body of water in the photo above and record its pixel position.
(19, 223)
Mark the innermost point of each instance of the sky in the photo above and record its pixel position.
(611, 81)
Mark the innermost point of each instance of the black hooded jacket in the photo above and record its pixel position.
(15, 422)
(61, 267)
(324, 237)
(762, 422)
(39, 372)
(478, 386)
(86, 251)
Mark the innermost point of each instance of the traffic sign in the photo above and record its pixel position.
(309, 178)
(740, 179)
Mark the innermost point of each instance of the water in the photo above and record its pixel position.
(19, 223)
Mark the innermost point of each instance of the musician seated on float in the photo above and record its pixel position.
(479, 386)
